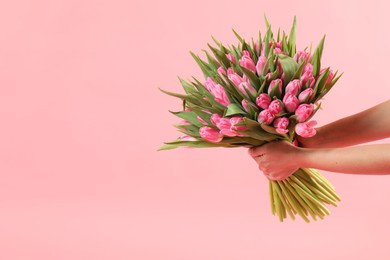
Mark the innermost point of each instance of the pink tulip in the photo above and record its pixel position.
(306, 129)
(210, 134)
(215, 119)
(268, 76)
(256, 47)
(220, 95)
(231, 58)
(225, 127)
(275, 107)
(246, 53)
(265, 117)
(281, 125)
(277, 51)
(263, 100)
(260, 65)
(330, 76)
(304, 111)
(209, 84)
(301, 56)
(293, 87)
(291, 102)
(306, 95)
(247, 62)
(246, 104)
(236, 120)
(308, 69)
(247, 86)
(201, 120)
(221, 70)
(187, 138)
(234, 77)
(275, 88)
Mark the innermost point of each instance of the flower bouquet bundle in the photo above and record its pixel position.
(258, 92)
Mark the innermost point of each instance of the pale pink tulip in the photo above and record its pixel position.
(263, 100)
(265, 117)
(247, 62)
(293, 87)
(260, 65)
(304, 111)
(306, 129)
(275, 88)
(247, 86)
(210, 134)
(209, 84)
(234, 77)
(220, 95)
(290, 102)
(281, 125)
(306, 95)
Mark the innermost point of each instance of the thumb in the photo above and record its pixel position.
(256, 151)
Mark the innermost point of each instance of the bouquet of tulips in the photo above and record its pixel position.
(259, 92)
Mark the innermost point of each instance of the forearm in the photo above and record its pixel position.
(368, 159)
(369, 125)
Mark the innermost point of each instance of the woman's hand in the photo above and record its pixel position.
(277, 160)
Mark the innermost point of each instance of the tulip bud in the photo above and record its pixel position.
(265, 117)
(303, 112)
(260, 65)
(247, 86)
(306, 129)
(210, 134)
(225, 127)
(263, 100)
(231, 58)
(221, 70)
(293, 87)
(247, 62)
(215, 119)
(234, 77)
(275, 107)
(306, 95)
(291, 102)
(281, 125)
(275, 88)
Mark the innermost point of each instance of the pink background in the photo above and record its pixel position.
(81, 120)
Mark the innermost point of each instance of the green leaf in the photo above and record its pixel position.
(234, 109)
(189, 116)
(257, 132)
(269, 129)
(238, 36)
(207, 71)
(289, 66)
(291, 39)
(320, 83)
(196, 144)
(221, 56)
(183, 97)
(298, 72)
(212, 62)
(316, 60)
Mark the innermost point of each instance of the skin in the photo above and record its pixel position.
(333, 147)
